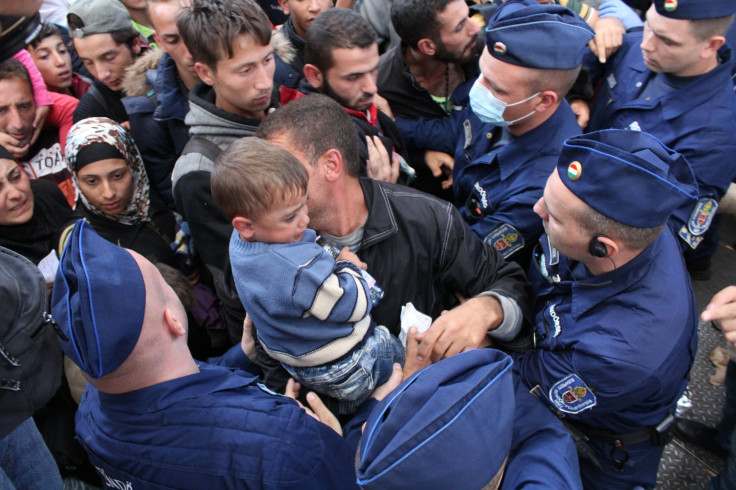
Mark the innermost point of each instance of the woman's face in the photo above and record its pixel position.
(107, 185)
(16, 198)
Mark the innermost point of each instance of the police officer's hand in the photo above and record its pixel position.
(441, 165)
(722, 310)
(247, 342)
(460, 329)
(581, 109)
(381, 166)
(609, 35)
(317, 409)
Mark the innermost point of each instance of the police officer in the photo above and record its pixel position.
(465, 422)
(673, 80)
(616, 321)
(507, 142)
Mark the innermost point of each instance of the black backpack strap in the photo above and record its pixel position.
(203, 146)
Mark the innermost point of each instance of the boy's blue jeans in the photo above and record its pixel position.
(354, 377)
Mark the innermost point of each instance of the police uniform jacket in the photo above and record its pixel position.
(696, 120)
(495, 189)
(614, 350)
(218, 428)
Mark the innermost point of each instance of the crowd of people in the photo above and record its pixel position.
(357, 243)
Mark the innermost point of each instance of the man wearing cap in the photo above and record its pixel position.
(616, 322)
(674, 82)
(465, 422)
(507, 141)
(108, 45)
(154, 417)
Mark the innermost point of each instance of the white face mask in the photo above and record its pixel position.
(489, 109)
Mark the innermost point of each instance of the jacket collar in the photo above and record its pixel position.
(203, 96)
(588, 290)
(170, 92)
(528, 146)
(210, 379)
(695, 94)
(381, 222)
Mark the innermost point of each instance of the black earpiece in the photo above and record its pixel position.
(596, 248)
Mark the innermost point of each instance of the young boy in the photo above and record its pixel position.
(311, 312)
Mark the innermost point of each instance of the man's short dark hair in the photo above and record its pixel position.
(124, 36)
(313, 125)
(47, 30)
(336, 28)
(210, 27)
(11, 69)
(417, 19)
(634, 238)
(703, 29)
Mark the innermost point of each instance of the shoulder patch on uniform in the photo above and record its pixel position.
(690, 239)
(506, 240)
(572, 395)
(702, 216)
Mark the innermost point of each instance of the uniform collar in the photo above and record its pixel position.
(209, 379)
(528, 146)
(676, 103)
(588, 290)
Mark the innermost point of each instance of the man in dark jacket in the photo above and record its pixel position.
(430, 73)
(158, 84)
(341, 61)
(108, 45)
(417, 247)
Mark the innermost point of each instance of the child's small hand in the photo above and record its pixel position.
(346, 254)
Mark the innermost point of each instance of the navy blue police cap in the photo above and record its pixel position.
(550, 37)
(628, 176)
(447, 426)
(98, 300)
(695, 9)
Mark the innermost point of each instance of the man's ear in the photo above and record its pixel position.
(285, 6)
(549, 101)
(205, 73)
(712, 46)
(612, 247)
(332, 164)
(173, 323)
(245, 227)
(427, 46)
(313, 75)
(136, 45)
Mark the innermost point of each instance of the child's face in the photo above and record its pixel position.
(285, 222)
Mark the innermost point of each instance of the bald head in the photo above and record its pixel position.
(161, 352)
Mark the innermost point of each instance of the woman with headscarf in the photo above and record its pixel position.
(115, 196)
(116, 199)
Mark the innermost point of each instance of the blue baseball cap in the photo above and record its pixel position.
(628, 176)
(695, 9)
(447, 426)
(98, 300)
(550, 37)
